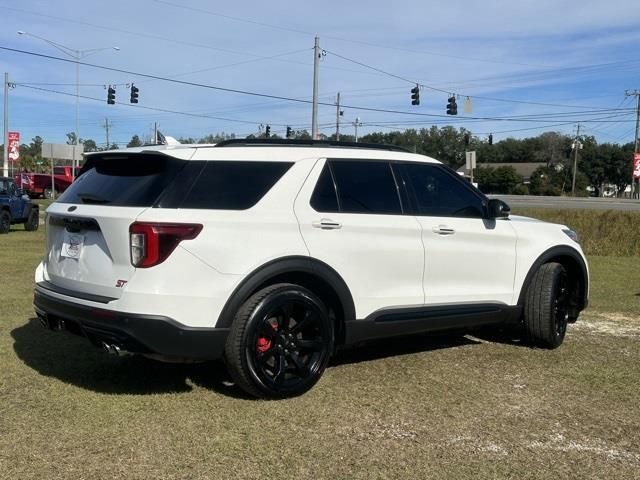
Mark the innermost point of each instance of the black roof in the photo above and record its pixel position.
(278, 142)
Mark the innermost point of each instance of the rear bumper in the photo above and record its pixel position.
(134, 333)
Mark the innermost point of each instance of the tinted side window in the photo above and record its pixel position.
(366, 187)
(325, 198)
(233, 185)
(440, 194)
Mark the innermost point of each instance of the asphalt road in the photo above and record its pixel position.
(531, 201)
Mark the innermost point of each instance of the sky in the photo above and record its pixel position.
(526, 67)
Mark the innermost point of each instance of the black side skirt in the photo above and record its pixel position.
(407, 321)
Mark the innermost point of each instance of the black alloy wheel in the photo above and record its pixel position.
(280, 342)
(561, 305)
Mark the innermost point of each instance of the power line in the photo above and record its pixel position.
(156, 109)
(279, 97)
(430, 87)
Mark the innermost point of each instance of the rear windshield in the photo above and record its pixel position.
(123, 181)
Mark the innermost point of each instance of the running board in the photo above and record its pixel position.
(408, 321)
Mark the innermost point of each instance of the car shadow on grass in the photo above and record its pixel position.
(75, 361)
(398, 346)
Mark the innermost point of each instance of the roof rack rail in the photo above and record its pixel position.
(277, 142)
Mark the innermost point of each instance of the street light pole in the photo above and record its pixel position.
(77, 55)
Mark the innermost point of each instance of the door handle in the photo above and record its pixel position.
(326, 224)
(443, 230)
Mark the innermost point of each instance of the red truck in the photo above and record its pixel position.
(39, 184)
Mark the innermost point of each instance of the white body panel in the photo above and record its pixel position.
(380, 257)
(468, 260)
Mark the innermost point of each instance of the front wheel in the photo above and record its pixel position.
(5, 222)
(280, 342)
(546, 306)
(31, 225)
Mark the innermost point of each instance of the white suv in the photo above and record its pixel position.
(272, 254)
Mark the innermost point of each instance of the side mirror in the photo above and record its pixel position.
(498, 209)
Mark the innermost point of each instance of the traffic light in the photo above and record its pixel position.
(134, 94)
(267, 131)
(289, 132)
(491, 139)
(467, 139)
(111, 95)
(452, 106)
(415, 95)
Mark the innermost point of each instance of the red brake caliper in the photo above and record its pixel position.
(263, 344)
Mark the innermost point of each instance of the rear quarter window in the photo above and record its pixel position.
(230, 185)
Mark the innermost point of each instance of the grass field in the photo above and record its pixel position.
(474, 406)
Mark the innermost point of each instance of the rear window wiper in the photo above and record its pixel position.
(90, 198)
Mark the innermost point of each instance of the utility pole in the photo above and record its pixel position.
(5, 136)
(314, 112)
(338, 113)
(155, 133)
(630, 93)
(107, 125)
(576, 145)
(357, 124)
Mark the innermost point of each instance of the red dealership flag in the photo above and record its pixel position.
(14, 146)
(636, 165)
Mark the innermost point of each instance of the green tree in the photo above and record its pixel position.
(89, 145)
(134, 142)
(497, 180)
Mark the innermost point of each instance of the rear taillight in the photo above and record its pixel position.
(152, 243)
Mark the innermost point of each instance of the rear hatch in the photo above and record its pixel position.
(88, 250)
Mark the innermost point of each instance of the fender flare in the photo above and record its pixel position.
(280, 266)
(555, 252)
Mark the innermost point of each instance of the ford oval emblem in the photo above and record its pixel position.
(71, 209)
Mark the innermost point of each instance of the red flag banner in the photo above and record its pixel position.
(636, 165)
(14, 146)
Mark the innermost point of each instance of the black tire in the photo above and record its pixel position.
(32, 223)
(280, 342)
(546, 306)
(5, 221)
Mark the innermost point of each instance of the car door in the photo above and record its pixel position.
(468, 258)
(351, 218)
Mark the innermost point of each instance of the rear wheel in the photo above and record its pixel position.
(31, 225)
(280, 342)
(5, 221)
(546, 309)
(49, 193)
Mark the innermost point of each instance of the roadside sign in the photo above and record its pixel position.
(471, 160)
(636, 166)
(61, 151)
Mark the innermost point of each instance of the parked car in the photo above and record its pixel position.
(42, 185)
(16, 207)
(273, 254)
